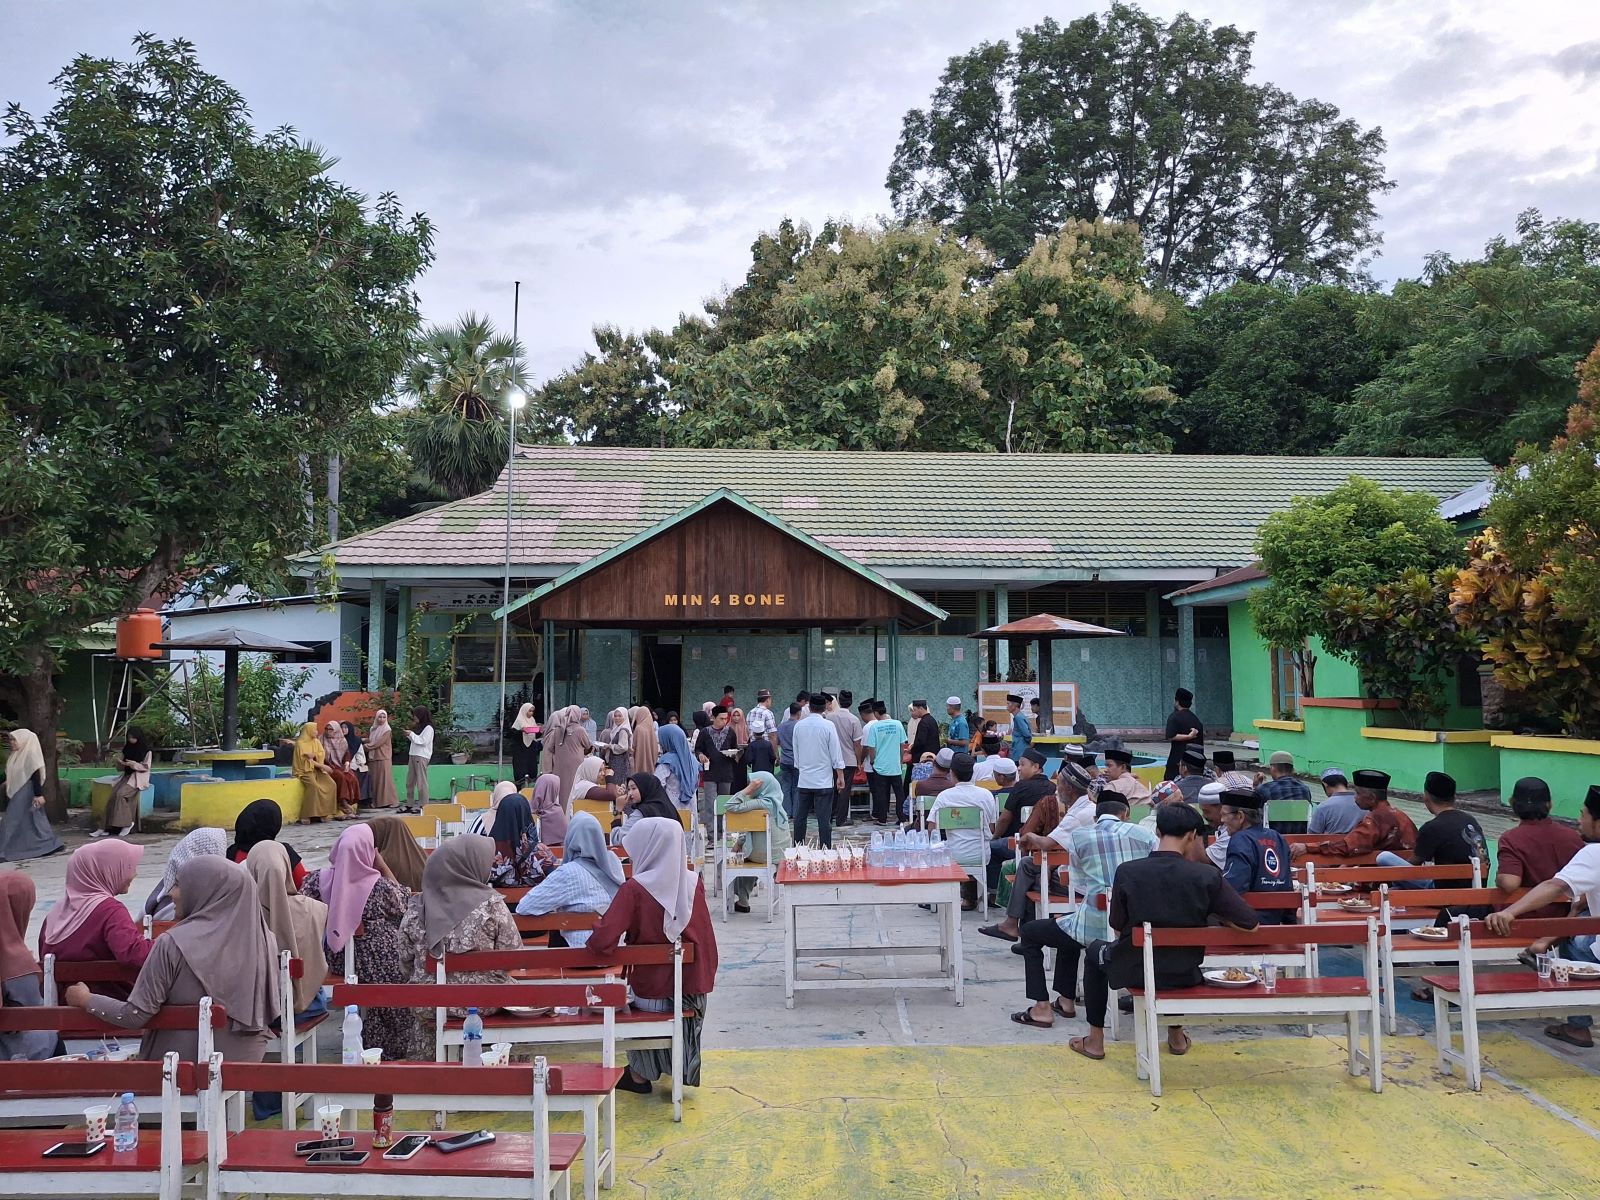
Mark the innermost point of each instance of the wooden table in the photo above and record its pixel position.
(938, 886)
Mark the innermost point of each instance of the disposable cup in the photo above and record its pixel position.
(372, 1057)
(94, 1122)
(329, 1118)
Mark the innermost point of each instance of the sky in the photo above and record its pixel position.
(619, 156)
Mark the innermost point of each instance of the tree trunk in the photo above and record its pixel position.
(38, 707)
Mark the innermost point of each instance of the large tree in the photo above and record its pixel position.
(1488, 346)
(1123, 116)
(186, 307)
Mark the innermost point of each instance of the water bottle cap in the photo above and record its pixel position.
(352, 1008)
(127, 1097)
(472, 1012)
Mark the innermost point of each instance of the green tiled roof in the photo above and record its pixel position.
(1034, 514)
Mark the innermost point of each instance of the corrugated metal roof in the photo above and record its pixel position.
(1034, 513)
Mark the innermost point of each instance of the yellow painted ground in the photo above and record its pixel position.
(1275, 1118)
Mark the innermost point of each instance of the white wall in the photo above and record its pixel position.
(297, 623)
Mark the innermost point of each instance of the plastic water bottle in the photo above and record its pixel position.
(125, 1134)
(472, 1039)
(352, 1036)
(875, 849)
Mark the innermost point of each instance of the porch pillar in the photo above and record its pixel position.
(1186, 666)
(377, 591)
(894, 668)
(1002, 647)
(549, 650)
(402, 627)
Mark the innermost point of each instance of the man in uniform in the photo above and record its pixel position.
(959, 735)
(1258, 858)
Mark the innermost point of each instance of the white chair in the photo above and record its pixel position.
(755, 821)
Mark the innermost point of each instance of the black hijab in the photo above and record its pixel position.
(136, 747)
(653, 800)
(352, 739)
(259, 821)
(513, 820)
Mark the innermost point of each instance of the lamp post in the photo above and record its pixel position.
(515, 399)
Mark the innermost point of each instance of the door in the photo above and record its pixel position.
(662, 663)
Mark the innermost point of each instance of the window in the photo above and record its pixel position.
(1469, 684)
(477, 653)
(1285, 685)
(316, 652)
(963, 610)
(1120, 609)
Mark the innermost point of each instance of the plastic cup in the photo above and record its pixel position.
(94, 1122)
(1269, 976)
(1561, 972)
(373, 1056)
(1542, 964)
(329, 1119)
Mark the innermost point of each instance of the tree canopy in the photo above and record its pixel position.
(186, 306)
(1119, 115)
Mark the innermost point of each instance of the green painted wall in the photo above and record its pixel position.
(1569, 775)
(1332, 738)
(1251, 669)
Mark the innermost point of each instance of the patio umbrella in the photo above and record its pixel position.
(231, 642)
(1046, 630)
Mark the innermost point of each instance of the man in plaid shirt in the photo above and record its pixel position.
(1279, 783)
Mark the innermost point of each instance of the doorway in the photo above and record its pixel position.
(662, 663)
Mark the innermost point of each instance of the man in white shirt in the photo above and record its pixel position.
(820, 764)
(969, 847)
(998, 770)
(1072, 785)
(1579, 880)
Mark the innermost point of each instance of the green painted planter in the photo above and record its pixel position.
(1568, 765)
(1338, 732)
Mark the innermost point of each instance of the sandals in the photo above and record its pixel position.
(1077, 1046)
(1026, 1018)
(1566, 1035)
(995, 931)
(1055, 1007)
(1171, 1049)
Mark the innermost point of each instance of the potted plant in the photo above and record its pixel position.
(460, 745)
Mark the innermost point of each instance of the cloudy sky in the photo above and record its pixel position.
(619, 156)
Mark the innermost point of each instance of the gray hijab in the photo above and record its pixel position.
(225, 940)
(455, 881)
(586, 845)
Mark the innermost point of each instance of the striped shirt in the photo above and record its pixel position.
(571, 887)
(1094, 856)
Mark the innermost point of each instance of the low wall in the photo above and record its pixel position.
(219, 804)
(1568, 765)
(1338, 732)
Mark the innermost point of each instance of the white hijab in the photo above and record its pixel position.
(655, 844)
(26, 760)
(525, 724)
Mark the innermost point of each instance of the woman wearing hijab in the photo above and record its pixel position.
(525, 746)
(456, 912)
(482, 821)
(357, 762)
(520, 859)
(677, 768)
(347, 787)
(197, 843)
(320, 795)
(589, 782)
(25, 832)
(586, 880)
(420, 735)
(122, 809)
(399, 851)
(646, 745)
(567, 743)
(548, 810)
(90, 924)
(644, 796)
(262, 821)
(221, 948)
(380, 761)
(21, 981)
(663, 902)
(763, 791)
(615, 743)
(360, 896)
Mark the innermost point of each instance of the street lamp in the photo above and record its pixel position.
(516, 399)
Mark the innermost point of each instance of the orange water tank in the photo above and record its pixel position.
(135, 633)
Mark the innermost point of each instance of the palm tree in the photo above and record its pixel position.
(459, 376)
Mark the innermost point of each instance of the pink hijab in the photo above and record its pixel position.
(97, 872)
(347, 881)
(548, 809)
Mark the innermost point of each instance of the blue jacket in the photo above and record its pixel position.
(1259, 861)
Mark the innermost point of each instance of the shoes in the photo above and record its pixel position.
(740, 908)
(1125, 1004)
(99, 833)
(628, 1084)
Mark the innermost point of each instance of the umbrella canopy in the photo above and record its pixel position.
(231, 642)
(1045, 626)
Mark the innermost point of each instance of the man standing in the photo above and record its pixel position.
(763, 723)
(1191, 773)
(1183, 730)
(924, 731)
(1021, 731)
(1031, 787)
(848, 727)
(1095, 855)
(1072, 785)
(1258, 858)
(788, 776)
(711, 746)
(1119, 778)
(1339, 813)
(1382, 826)
(1451, 837)
(884, 744)
(819, 765)
(968, 847)
(1280, 785)
(959, 735)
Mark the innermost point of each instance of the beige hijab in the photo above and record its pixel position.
(297, 922)
(26, 760)
(646, 746)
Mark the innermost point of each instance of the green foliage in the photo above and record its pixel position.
(1487, 347)
(271, 695)
(1125, 117)
(1404, 638)
(1261, 369)
(186, 306)
(423, 679)
(1359, 535)
(460, 376)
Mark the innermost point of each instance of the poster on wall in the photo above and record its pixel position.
(992, 702)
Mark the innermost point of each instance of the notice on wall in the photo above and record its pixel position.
(959, 654)
(883, 654)
(992, 702)
(922, 654)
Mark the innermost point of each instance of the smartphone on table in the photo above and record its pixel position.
(337, 1158)
(74, 1149)
(320, 1144)
(407, 1146)
(463, 1141)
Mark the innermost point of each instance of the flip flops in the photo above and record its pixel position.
(1564, 1034)
(1026, 1018)
(995, 931)
(1076, 1045)
(1055, 1007)
(1171, 1049)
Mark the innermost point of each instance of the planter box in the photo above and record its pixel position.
(1338, 732)
(1568, 765)
(1466, 755)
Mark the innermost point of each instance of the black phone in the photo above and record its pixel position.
(337, 1158)
(463, 1141)
(407, 1146)
(338, 1143)
(74, 1149)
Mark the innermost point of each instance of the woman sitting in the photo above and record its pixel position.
(663, 902)
(456, 912)
(221, 948)
(399, 851)
(764, 792)
(365, 906)
(347, 785)
(586, 880)
(520, 860)
(320, 793)
(482, 821)
(204, 842)
(590, 783)
(262, 821)
(21, 980)
(122, 809)
(548, 810)
(298, 923)
(643, 797)
(91, 924)
(356, 760)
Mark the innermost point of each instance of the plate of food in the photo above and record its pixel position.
(1233, 977)
(1357, 904)
(1335, 889)
(1434, 933)
(518, 1010)
(1583, 970)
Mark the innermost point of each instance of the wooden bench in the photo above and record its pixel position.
(557, 922)
(162, 1165)
(1465, 874)
(1408, 955)
(514, 1166)
(1514, 995)
(1291, 1003)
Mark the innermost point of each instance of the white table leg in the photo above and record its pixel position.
(1441, 1032)
(789, 950)
(1469, 1046)
(957, 961)
(591, 1152)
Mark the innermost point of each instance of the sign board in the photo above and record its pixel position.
(992, 702)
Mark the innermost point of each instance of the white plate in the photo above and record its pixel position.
(1218, 979)
(518, 1011)
(1334, 889)
(1433, 933)
(1358, 908)
(1581, 970)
